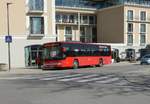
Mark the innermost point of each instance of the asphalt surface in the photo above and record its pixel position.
(123, 83)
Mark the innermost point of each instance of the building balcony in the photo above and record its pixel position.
(143, 3)
(74, 19)
(32, 11)
(66, 23)
(77, 4)
(138, 20)
(74, 23)
(36, 35)
(66, 19)
(37, 10)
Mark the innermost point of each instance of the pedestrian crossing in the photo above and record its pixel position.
(76, 77)
(95, 79)
(59, 77)
(108, 81)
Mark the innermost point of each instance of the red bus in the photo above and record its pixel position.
(74, 55)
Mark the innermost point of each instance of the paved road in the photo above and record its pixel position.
(112, 84)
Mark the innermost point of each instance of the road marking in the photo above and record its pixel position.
(122, 83)
(40, 77)
(28, 77)
(95, 79)
(59, 77)
(78, 78)
(11, 78)
(75, 77)
(108, 80)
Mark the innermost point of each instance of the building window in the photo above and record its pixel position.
(130, 27)
(143, 16)
(130, 39)
(68, 33)
(84, 19)
(71, 18)
(130, 15)
(36, 25)
(68, 30)
(94, 34)
(36, 5)
(82, 34)
(91, 20)
(78, 3)
(142, 34)
(58, 18)
(143, 28)
(143, 39)
(64, 18)
(86, 34)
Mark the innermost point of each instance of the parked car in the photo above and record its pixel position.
(145, 59)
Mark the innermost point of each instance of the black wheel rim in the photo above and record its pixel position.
(75, 64)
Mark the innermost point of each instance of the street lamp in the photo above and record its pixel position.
(9, 58)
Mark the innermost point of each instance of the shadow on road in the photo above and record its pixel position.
(126, 85)
(134, 85)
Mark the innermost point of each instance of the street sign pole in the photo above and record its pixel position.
(9, 57)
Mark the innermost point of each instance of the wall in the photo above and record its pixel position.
(110, 25)
(19, 21)
(136, 23)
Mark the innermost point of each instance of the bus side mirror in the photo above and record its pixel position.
(64, 56)
(64, 49)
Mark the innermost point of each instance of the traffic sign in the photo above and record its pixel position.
(8, 39)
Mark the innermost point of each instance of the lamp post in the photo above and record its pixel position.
(8, 33)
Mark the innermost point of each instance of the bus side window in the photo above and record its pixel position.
(76, 52)
(68, 49)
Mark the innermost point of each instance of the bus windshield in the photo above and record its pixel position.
(52, 53)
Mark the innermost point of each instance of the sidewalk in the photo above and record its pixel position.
(24, 71)
(21, 71)
(124, 63)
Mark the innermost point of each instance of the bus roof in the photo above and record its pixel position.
(60, 42)
(74, 42)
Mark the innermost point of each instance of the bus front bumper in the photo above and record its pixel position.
(52, 65)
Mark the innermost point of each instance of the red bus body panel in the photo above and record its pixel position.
(83, 61)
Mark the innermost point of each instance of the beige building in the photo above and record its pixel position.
(120, 25)
(125, 25)
(32, 22)
(75, 24)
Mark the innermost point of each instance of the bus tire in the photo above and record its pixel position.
(100, 63)
(75, 64)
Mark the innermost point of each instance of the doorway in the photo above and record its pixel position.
(32, 52)
(115, 55)
(130, 54)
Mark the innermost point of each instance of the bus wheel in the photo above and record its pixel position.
(100, 63)
(75, 64)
